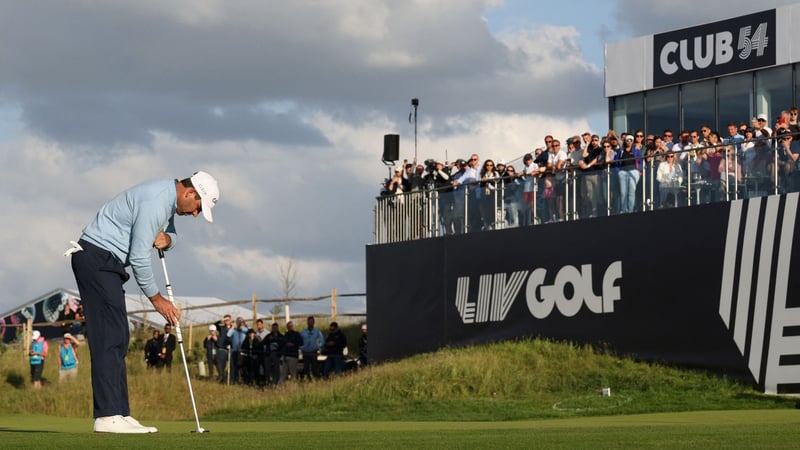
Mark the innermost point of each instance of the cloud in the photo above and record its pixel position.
(663, 16)
(286, 103)
(110, 74)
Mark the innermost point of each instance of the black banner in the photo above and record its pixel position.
(708, 286)
(714, 49)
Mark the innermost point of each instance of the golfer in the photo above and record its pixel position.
(123, 233)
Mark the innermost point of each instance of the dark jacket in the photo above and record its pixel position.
(292, 341)
(273, 343)
(335, 343)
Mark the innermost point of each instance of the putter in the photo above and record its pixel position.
(180, 342)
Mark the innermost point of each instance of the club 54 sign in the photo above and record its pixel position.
(714, 49)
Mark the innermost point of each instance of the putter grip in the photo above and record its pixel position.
(161, 253)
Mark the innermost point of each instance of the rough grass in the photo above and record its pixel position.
(528, 379)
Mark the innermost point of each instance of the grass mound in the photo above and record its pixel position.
(527, 379)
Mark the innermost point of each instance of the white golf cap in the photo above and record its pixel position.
(208, 189)
(36, 334)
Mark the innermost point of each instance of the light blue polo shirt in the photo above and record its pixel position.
(128, 224)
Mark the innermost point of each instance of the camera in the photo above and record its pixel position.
(430, 165)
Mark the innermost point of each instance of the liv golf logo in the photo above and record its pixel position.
(754, 296)
(714, 49)
(567, 291)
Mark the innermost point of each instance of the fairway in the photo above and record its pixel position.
(703, 429)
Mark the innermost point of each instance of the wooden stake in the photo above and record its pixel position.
(333, 305)
(255, 310)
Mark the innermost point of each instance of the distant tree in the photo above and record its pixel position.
(288, 278)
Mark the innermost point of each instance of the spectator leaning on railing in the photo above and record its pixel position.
(470, 198)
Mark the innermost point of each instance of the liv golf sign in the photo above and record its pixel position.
(714, 49)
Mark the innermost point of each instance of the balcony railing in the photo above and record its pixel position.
(765, 168)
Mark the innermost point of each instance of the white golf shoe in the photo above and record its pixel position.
(133, 421)
(117, 424)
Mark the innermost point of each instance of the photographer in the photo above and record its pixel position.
(437, 178)
(210, 345)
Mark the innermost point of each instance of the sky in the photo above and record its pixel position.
(286, 104)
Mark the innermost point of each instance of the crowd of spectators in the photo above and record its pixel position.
(260, 357)
(592, 175)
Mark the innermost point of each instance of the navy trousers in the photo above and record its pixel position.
(100, 277)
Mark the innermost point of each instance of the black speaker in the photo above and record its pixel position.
(391, 147)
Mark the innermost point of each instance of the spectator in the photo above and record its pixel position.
(512, 196)
(273, 347)
(459, 193)
(793, 123)
(652, 153)
(210, 344)
(68, 358)
(292, 343)
(705, 131)
(500, 167)
(548, 143)
(530, 174)
(152, 351)
(734, 138)
(553, 193)
(699, 169)
(335, 344)
(638, 141)
(238, 336)
(363, 357)
(440, 180)
(612, 175)
(730, 172)
(222, 359)
(748, 149)
(782, 123)
(761, 126)
(714, 156)
(693, 144)
(37, 353)
(557, 161)
(248, 357)
(469, 180)
(395, 185)
(667, 137)
(587, 138)
(628, 159)
(263, 361)
(312, 345)
(169, 346)
(683, 141)
(670, 179)
(788, 153)
(488, 195)
(415, 179)
(591, 165)
(573, 186)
